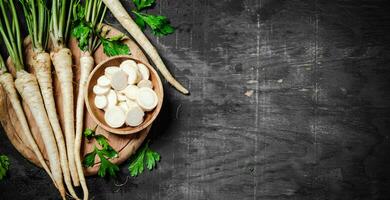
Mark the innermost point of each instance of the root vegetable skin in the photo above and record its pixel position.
(27, 86)
(128, 23)
(42, 68)
(7, 82)
(62, 61)
(86, 65)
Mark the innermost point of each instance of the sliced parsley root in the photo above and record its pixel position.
(144, 156)
(105, 152)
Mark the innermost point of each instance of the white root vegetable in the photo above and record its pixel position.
(101, 90)
(130, 103)
(109, 71)
(145, 74)
(134, 116)
(134, 76)
(128, 23)
(86, 64)
(62, 61)
(129, 64)
(42, 68)
(124, 106)
(103, 81)
(119, 80)
(147, 99)
(27, 86)
(7, 82)
(115, 117)
(121, 97)
(101, 101)
(130, 91)
(145, 83)
(112, 99)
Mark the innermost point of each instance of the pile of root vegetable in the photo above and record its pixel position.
(50, 24)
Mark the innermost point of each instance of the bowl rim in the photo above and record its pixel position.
(132, 130)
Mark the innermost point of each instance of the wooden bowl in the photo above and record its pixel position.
(98, 114)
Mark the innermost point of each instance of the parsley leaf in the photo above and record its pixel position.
(89, 133)
(82, 33)
(4, 166)
(142, 4)
(106, 165)
(89, 159)
(137, 164)
(81, 29)
(145, 154)
(106, 152)
(113, 46)
(152, 158)
(160, 25)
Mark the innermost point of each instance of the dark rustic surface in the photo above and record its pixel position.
(289, 101)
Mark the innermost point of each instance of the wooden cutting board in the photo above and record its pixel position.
(126, 145)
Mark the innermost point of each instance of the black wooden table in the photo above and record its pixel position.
(289, 100)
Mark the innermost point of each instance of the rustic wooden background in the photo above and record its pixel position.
(289, 100)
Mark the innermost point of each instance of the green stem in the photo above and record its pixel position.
(13, 45)
(2, 65)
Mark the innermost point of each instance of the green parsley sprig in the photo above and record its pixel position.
(4, 166)
(105, 153)
(88, 30)
(114, 46)
(144, 156)
(159, 25)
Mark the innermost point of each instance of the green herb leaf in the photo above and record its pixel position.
(137, 165)
(89, 133)
(140, 22)
(102, 141)
(4, 166)
(152, 158)
(89, 159)
(159, 24)
(82, 33)
(145, 154)
(106, 152)
(109, 152)
(142, 4)
(105, 166)
(113, 46)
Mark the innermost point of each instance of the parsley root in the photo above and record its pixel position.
(27, 86)
(128, 23)
(61, 57)
(41, 63)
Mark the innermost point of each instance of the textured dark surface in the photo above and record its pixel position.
(314, 123)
